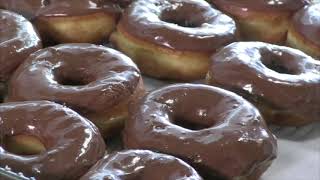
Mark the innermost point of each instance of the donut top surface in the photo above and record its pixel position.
(211, 128)
(31, 8)
(141, 164)
(88, 78)
(27, 8)
(307, 23)
(77, 7)
(72, 143)
(285, 78)
(18, 39)
(260, 5)
(189, 25)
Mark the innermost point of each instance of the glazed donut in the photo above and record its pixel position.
(304, 31)
(283, 83)
(76, 21)
(141, 164)
(173, 39)
(262, 20)
(93, 80)
(218, 132)
(18, 39)
(46, 140)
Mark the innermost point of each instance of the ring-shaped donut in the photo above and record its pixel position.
(217, 131)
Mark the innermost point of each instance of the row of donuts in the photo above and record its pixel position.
(220, 134)
(77, 77)
(172, 31)
(181, 31)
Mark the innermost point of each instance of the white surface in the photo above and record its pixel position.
(298, 149)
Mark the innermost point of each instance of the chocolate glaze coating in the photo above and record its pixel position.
(282, 78)
(282, 6)
(32, 8)
(154, 21)
(307, 23)
(139, 165)
(27, 8)
(18, 39)
(229, 137)
(72, 143)
(88, 78)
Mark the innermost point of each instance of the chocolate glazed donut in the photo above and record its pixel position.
(18, 39)
(69, 21)
(262, 20)
(48, 141)
(94, 80)
(304, 30)
(282, 82)
(173, 39)
(218, 132)
(140, 165)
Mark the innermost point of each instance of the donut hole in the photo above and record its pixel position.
(23, 145)
(181, 16)
(278, 67)
(189, 124)
(72, 77)
(2, 92)
(181, 22)
(279, 63)
(192, 117)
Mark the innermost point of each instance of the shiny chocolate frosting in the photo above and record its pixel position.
(285, 79)
(32, 8)
(18, 39)
(72, 143)
(85, 77)
(139, 165)
(189, 25)
(215, 130)
(307, 23)
(244, 6)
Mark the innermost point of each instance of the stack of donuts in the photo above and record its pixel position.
(71, 83)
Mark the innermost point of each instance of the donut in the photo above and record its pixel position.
(262, 20)
(304, 31)
(72, 21)
(216, 131)
(46, 140)
(172, 39)
(282, 82)
(18, 39)
(141, 164)
(95, 81)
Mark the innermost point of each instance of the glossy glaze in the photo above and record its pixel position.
(233, 141)
(149, 20)
(307, 23)
(32, 8)
(18, 39)
(244, 6)
(27, 8)
(285, 79)
(103, 77)
(73, 144)
(141, 164)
